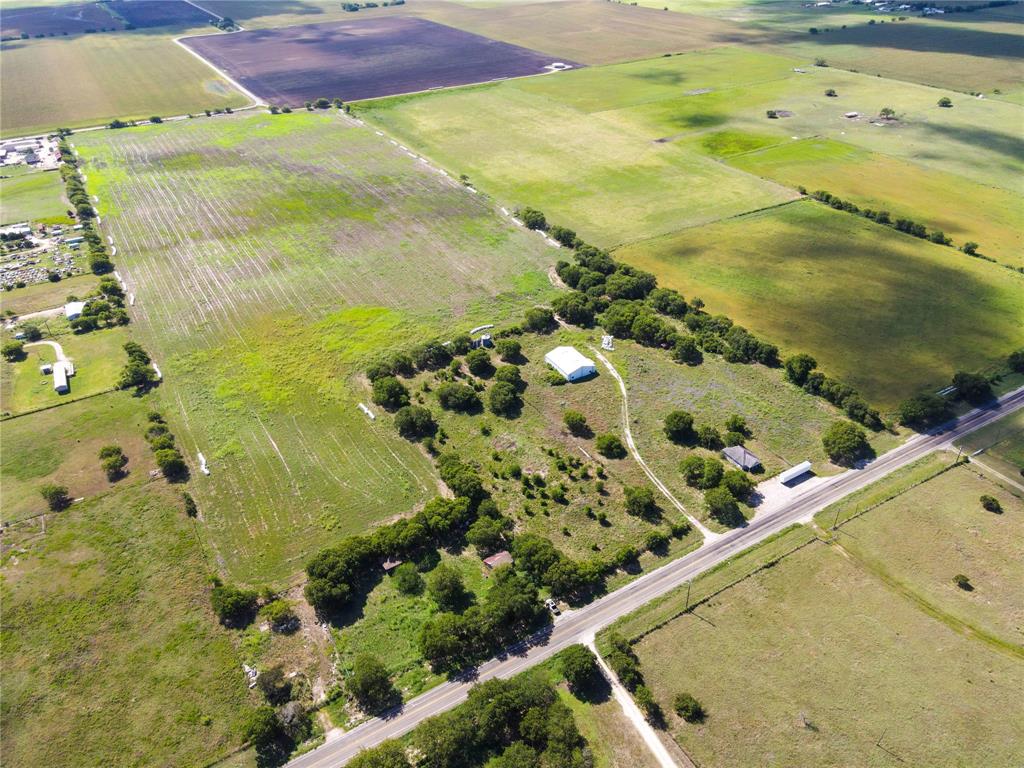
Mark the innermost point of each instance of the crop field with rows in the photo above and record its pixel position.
(271, 257)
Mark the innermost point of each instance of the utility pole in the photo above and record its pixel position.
(688, 585)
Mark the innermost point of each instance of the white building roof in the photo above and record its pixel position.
(569, 362)
(794, 472)
(73, 309)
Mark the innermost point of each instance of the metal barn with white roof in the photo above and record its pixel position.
(570, 363)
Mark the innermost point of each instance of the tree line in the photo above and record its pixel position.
(907, 226)
(628, 303)
(99, 259)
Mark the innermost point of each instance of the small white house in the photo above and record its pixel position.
(73, 309)
(570, 363)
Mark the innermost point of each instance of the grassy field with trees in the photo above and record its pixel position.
(40, 296)
(312, 267)
(884, 312)
(61, 445)
(964, 210)
(107, 632)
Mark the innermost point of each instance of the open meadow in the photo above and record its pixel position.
(814, 660)
(262, 307)
(951, 533)
(61, 445)
(965, 210)
(153, 76)
(534, 149)
(34, 197)
(107, 632)
(883, 311)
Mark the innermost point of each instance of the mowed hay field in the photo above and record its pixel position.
(272, 257)
(103, 76)
(964, 210)
(883, 311)
(110, 652)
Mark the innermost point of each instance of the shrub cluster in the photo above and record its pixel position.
(137, 373)
(800, 370)
(503, 723)
(104, 308)
(161, 442)
(626, 666)
(629, 304)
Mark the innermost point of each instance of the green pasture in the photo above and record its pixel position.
(963, 209)
(952, 534)
(686, 97)
(887, 313)
(110, 652)
(98, 358)
(627, 151)
(33, 197)
(103, 76)
(61, 445)
(831, 657)
(543, 142)
(1002, 446)
(41, 296)
(272, 257)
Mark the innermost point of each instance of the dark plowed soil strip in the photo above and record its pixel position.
(362, 59)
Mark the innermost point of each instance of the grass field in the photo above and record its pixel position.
(963, 209)
(154, 76)
(952, 534)
(35, 197)
(110, 652)
(818, 640)
(98, 357)
(60, 445)
(885, 312)
(40, 296)
(530, 148)
(1002, 444)
(341, 246)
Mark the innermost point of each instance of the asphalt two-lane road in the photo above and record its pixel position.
(573, 626)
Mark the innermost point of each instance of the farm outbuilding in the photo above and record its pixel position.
(73, 309)
(570, 363)
(794, 472)
(501, 558)
(741, 457)
(60, 377)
